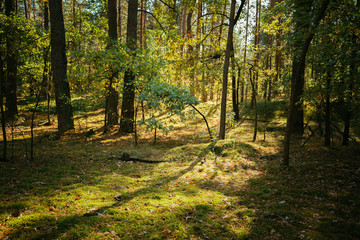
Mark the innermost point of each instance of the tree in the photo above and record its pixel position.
(46, 79)
(229, 47)
(11, 65)
(59, 66)
(112, 96)
(235, 86)
(306, 31)
(3, 120)
(127, 106)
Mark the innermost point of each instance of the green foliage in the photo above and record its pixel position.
(31, 43)
(161, 96)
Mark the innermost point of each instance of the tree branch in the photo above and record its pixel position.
(142, 10)
(169, 6)
(239, 11)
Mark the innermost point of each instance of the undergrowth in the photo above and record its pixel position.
(228, 189)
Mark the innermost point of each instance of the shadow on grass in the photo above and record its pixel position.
(317, 198)
(48, 227)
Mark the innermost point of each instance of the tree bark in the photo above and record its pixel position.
(252, 82)
(25, 9)
(257, 54)
(11, 66)
(119, 19)
(59, 66)
(222, 23)
(141, 30)
(298, 71)
(226, 70)
(234, 89)
(145, 24)
(46, 70)
(226, 65)
(327, 112)
(346, 133)
(190, 52)
(3, 118)
(127, 108)
(112, 96)
(245, 49)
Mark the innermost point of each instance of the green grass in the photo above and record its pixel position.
(228, 189)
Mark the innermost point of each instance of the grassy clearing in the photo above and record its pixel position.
(230, 189)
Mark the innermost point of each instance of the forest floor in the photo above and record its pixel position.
(228, 189)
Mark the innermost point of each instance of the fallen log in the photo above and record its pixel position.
(126, 158)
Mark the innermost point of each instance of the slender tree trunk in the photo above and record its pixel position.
(346, 133)
(226, 70)
(11, 66)
(25, 9)
(204, 75)
(3, 119)
(353, 72)
(256, 59)
(59, 66)
(245, 49)
(141, 23)
(234, 87)
(270, 42)
(145, 24)
(127, 108)
(73, 12)
(46, 69)
(212, 40)
(327, 112)
(222, 23)
(183, 29)
(197, 86)
(190, 52)
(119, 19)
(252, 82)
(112, 96)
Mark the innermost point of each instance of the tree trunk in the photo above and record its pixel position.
(298, 70)
(119, 19)
(183, 27)
(346, 133)
(127, 108)
(145, 24)
(3, 119)
(11, 66)
(222, 23)
(197, 86)
(245, 49)
(256, 59)
(25, 9)
(327, 112)
(226, 70)
(46, 70)
(59, 66)
(73, 12)
(235, 103)
(253, 82)
(190, 53)
(112, 96)
(354, 71)
(141, 23)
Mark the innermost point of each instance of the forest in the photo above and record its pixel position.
(180, 119)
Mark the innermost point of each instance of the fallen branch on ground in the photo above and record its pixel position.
(126, 158)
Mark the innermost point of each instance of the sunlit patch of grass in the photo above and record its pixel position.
(228, 189)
